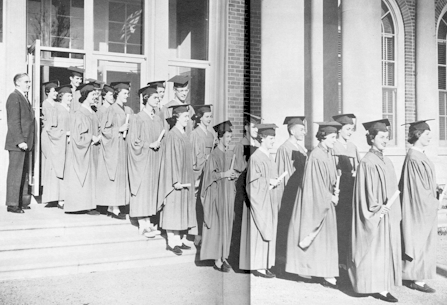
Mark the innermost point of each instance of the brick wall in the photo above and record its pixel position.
(244, 61)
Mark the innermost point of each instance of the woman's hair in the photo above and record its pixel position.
(221, 133)
(59, 96)
(146, 97)
(321, 135)
(196, 117)
(117, 91)
(47, 90)
(414, 135)
(370, 135)
(172, 120)
(84, 95)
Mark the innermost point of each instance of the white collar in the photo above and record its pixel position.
(203, 128)
(23, 93)
(65, 106)
(418, 149)
(150, 113)
(87, 107)
(266, 152)
(180, 129)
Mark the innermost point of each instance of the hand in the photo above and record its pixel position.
(384, 210)
(354, 173)
(228, 174)
(96, 139)
(274, 182)
(178, 186)
(124, 127)
(68, 133)
(23, 146)
(335, 199)
(336, 192)
(155, 145)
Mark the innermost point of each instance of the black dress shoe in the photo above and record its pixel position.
(267, 274)
(176, 250)
(424, 288)
(184, 247)
(388, 298)
(120, 216)
(93, 213)
(27, 207)
(329, 285)
(226, 266)
(51, 204)
(14, 209)
(221, 269)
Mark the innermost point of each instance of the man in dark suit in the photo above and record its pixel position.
(19, 142)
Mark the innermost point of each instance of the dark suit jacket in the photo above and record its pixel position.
(21, 122)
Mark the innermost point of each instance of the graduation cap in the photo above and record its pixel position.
(120, 85)
(96, 83)
(248, 117)
(148, 90)
(379, 125)
(328, 127)
(180, 81)
(344, 118)
(106, 88)
(51, 84)
(64, 89)
(293, 120)
(157, 84)
(85, 88)
(179, 108)
(419, 125)
(75, 71)
(202, 108)
(267, 129)
(223, 127)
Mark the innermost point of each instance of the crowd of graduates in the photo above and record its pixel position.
(307, 213)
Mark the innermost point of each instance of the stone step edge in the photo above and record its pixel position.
(70, 243)
(94, 266)
(61, 226)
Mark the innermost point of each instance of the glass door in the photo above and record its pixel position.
(45, 64)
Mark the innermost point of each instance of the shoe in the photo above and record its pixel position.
(120, 216)
(51, 204)
(267, 275)
(388, 298)
(27, 207)
(270, 274)
(226, 266)
(176, 250)
(328, 285)
(14, 209)
(221, 269)
(424, 288)
(184, 247)
(148, 234)
(93, 213)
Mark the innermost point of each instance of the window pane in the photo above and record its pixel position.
(188, 29)
(387, 24)
(57, 23)
(442, 102)
(119, 22)
(442, 31)
(196, 94)
(384, 8)
(110, 71)
(441, 78)
(442, 129)
(441, 53)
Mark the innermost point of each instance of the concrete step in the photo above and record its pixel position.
(47, 242)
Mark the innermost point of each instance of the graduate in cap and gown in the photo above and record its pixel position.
(202, 141)
(159, 85)
(112, 177)
(291, 157)
(181, 90)
(98, 87)
(144, 162)
(243, 150)
(312, 238)
(107, 100)
(176, 185)
(374, 258)
(75, 81)
(419, 210)
(51, 131)
(347, 158)
(218, 190)
(80, 184)
(260, 213)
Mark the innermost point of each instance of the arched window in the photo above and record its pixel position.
(442, 82)
(389, 86)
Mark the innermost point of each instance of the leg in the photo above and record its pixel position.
(14, 178)
(25, 199)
